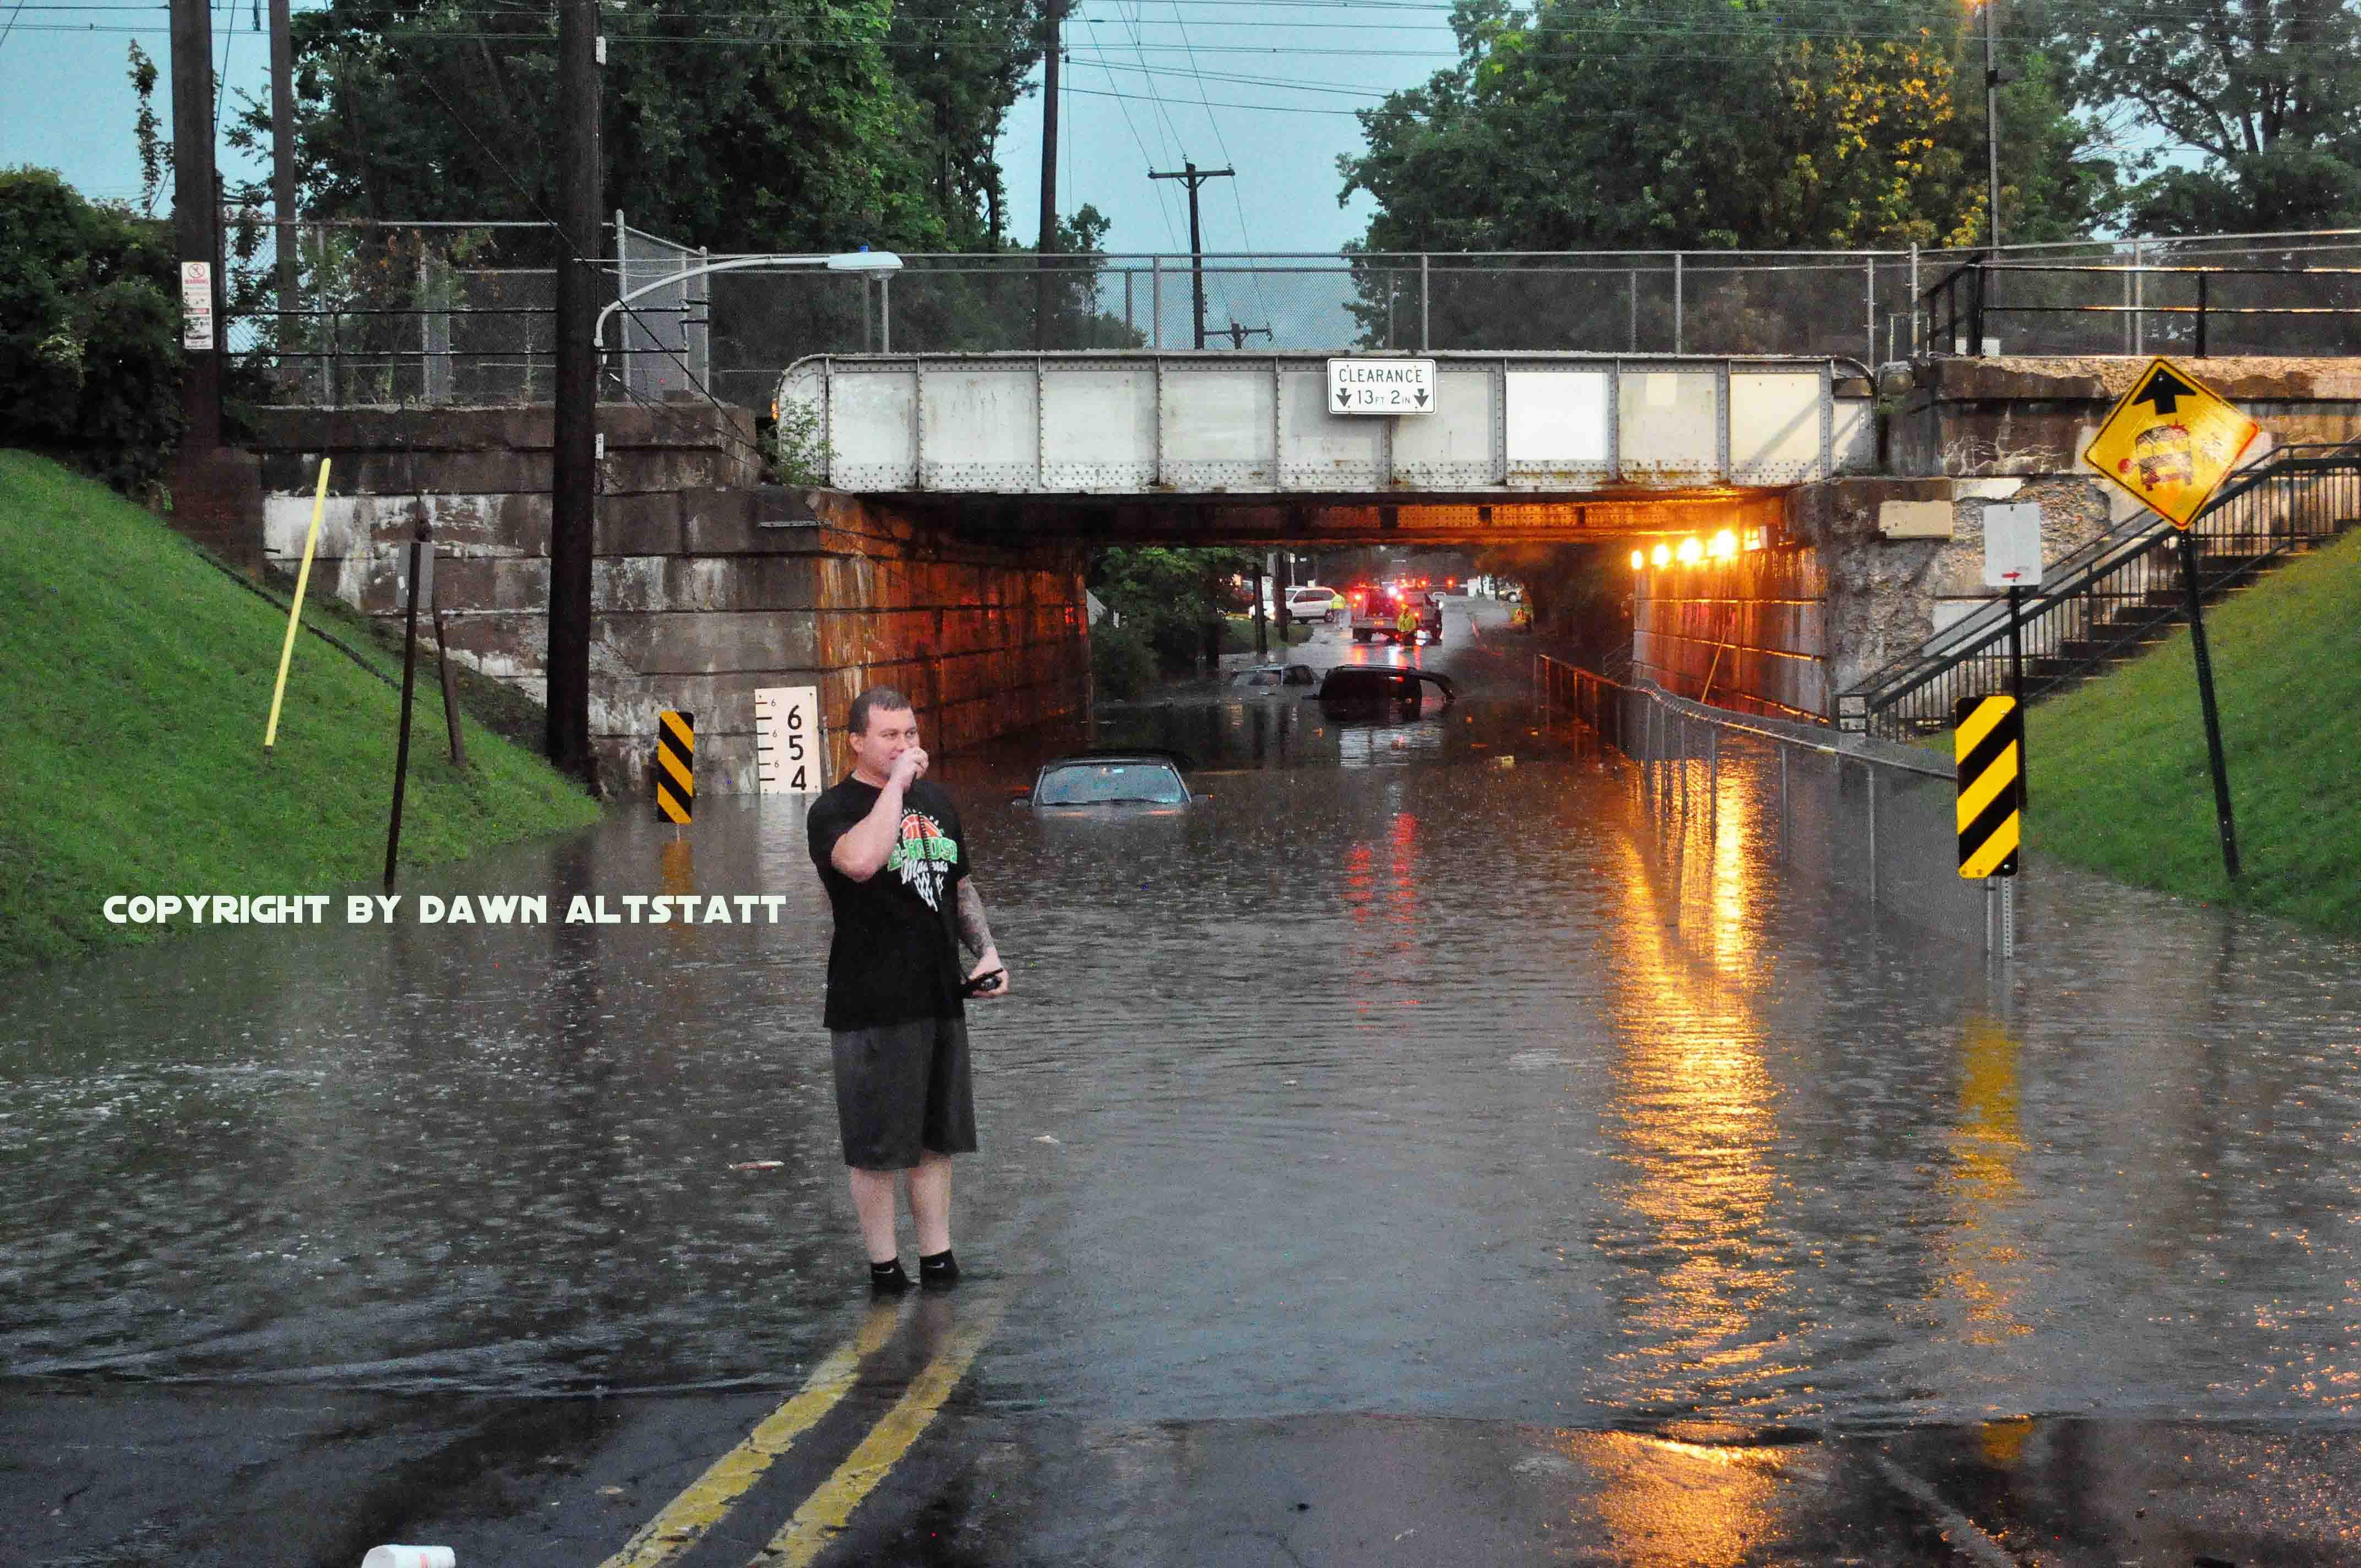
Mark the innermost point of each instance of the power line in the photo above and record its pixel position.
(1139, 140)
(12, 23)
(1244, 239)
(1168, 132)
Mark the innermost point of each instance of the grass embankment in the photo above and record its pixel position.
(137, 679)
(2118, 772)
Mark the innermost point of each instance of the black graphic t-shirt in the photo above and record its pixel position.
(896, 955)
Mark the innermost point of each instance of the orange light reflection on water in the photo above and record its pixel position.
(1695, 1101)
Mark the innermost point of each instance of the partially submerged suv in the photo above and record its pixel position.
(1379, 691)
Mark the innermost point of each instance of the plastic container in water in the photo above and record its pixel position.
(410, 1557)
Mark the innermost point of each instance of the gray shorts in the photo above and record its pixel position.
(901, 1088)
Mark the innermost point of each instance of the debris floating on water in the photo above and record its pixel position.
(760, 1165)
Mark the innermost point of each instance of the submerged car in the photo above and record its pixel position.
(1380, 690)
(1141, 777)
(1267, 678)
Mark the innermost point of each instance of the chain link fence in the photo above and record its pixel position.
(464, 312)
(662, 334)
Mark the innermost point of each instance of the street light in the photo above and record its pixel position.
(883, 262)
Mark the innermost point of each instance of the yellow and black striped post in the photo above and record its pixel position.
(1989, 744)
(675, 766)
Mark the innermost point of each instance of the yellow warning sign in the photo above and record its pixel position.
(674, 770)
(2171, 442)
(1989, 745)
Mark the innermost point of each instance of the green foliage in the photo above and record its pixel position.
(90, 353)
(1121, 663)
(2120, 779)
(799, 448)
(1588, 125)
(768, 125)
(1174, 599)
(147, 128)
(1583, 124)
(2267, 92)
(139, 684)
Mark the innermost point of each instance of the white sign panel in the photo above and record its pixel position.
(2013, 546)
(1381, 386)
(786, 741)
(196, 304)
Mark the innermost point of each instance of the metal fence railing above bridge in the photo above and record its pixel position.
(454, 312)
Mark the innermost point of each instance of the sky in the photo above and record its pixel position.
(1266, 87)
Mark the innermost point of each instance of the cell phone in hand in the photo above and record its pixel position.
(977, 985)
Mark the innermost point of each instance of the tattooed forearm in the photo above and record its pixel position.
(976, 932)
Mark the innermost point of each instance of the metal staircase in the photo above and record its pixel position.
(2118, 595)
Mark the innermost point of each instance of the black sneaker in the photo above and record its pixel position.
(887, 1278)
(940, 1272)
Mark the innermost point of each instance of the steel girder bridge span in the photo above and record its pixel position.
(1223, 447)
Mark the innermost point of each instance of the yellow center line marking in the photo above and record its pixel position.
(708, 1498)
(831, 1504)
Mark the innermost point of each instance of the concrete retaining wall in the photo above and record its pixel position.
(1860, 572)
(706, 585)
(2027, 415)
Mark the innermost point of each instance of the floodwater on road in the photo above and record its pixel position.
(1395, 1077)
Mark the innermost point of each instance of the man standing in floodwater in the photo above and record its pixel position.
(890, 852)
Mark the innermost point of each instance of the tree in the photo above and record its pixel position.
(1598, 123)
(89, 350)
(1175, 597)
(735, 124)
(2267, 93)
(1595, 124)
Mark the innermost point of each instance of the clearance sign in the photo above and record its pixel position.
(2171, 442)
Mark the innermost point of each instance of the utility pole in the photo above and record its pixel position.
(575, 434)
(1993, 79)
(282, 176)
(1045, 277)
(1195, 177)
(1238, 335)
(196, 222)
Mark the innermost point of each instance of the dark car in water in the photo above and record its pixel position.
(1266, 680)
(1145, 777)
(1379, 691)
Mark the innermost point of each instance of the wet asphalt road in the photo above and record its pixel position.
(1404, 1158)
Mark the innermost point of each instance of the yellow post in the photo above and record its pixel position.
(295, 610)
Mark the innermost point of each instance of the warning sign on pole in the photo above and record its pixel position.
(1991, 748)
(2171, 442)
(196, 304)
(675, 772)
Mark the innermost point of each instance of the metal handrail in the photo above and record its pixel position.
(1878, 704)
(1977, 272)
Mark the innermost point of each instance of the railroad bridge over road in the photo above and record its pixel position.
(944, 550)
(1204, 447)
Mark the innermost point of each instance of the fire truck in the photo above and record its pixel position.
(1378, 607)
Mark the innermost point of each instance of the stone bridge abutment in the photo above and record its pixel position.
(707, 584)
